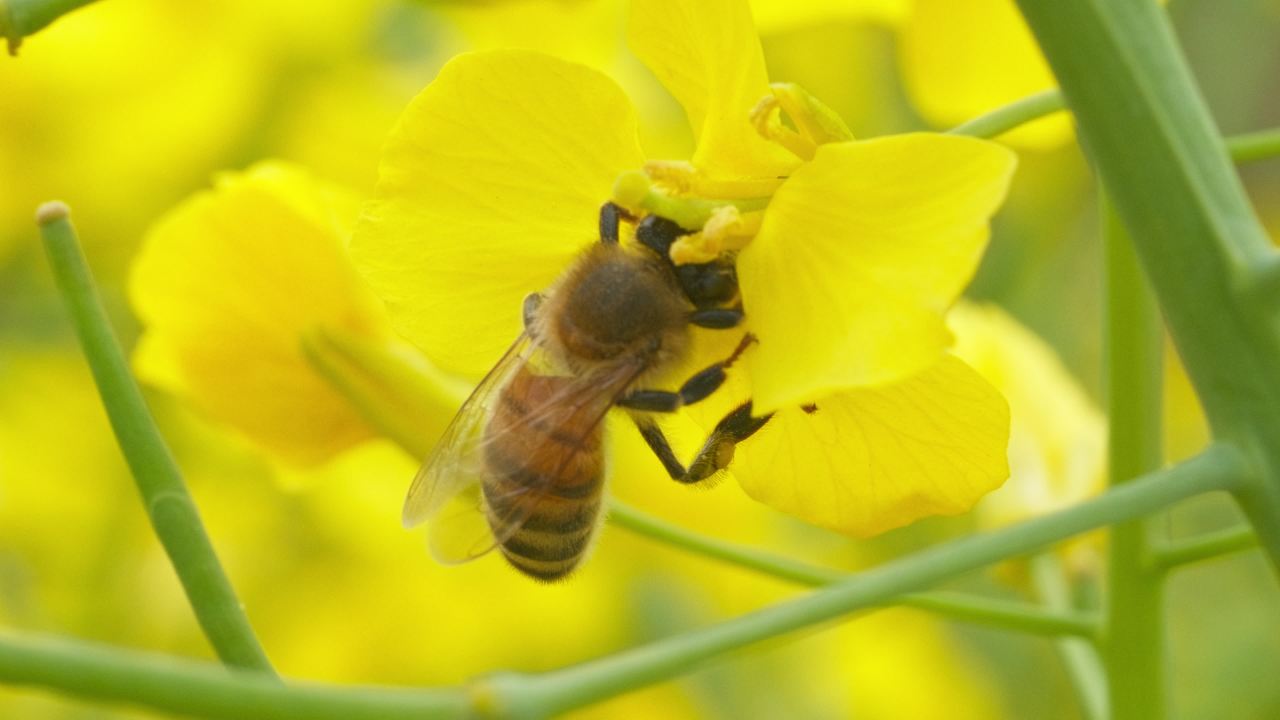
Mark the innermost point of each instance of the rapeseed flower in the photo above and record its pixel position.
(960, 60)
(848, 252)
(1057, 438)
(229, 282)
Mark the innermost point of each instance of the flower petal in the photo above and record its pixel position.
(490, 183)
(774, 16)
(227, 283)
(870, 460)
(708, 56)
(859, 254)
(962, 59)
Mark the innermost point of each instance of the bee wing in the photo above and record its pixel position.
(454, 464)
(577, 406)
(463, 523)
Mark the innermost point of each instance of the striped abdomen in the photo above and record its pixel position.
(545, 471)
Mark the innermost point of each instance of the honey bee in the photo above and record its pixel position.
(521, 468)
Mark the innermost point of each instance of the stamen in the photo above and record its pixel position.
(815, 123)
(766, 117)
(682, 178)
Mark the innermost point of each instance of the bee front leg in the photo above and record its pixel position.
(611, 216)
(717, 451)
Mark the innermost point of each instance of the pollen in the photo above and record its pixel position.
(728, 229)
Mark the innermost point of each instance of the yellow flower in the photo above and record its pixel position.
(229, 282)
(962, 59)
(782, 15)
(491, 183)
(1057, 438)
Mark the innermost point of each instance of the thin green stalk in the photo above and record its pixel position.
(1150, 136)
(1003, 614)
(20, 18)
(1180, 553)
(188, 688)
(1080, 658)
(525, 697)
(173, 513)
(198, 689)
(1008, 117)
(1251, 147)
(1135, 358)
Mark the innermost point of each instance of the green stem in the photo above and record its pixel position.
(1251, 147)
(1014, 616)
(1135, 357)
(1008, 117)
(1080, 658)
(173, 513)
(1178, 553)
(1152, 140)
(539, 696)
(190, 688)
(20, 18)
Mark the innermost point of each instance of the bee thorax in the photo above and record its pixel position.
(617, 304)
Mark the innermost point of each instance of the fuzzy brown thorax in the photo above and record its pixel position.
(616, 304)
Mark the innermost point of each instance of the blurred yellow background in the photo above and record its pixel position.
(127, 107)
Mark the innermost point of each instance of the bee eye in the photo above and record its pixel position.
(708, 284)
(658, 233)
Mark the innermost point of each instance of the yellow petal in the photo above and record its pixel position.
(708, 56)
(788, 15)
(962, 59)
(490, 183)
(227, 283)
(859, 254)
(870, 460)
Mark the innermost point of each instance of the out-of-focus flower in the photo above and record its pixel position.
(491, 183)
(1057, 436)
(881, 655)
(230, 282)
(115, 108)
(962, 59)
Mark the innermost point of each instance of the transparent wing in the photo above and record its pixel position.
(463, 523)
(454, 464)
(575, 407)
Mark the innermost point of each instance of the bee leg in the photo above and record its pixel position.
(717, 318)
(699, 387)
(657, 441)
(658, 234)
(702, 384)
(717, 451)
(532, 302)
(611, 215)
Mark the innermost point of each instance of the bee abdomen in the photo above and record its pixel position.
(556, 516)
(547, 555)
(550, 542)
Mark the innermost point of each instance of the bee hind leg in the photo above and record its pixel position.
(717, 451)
